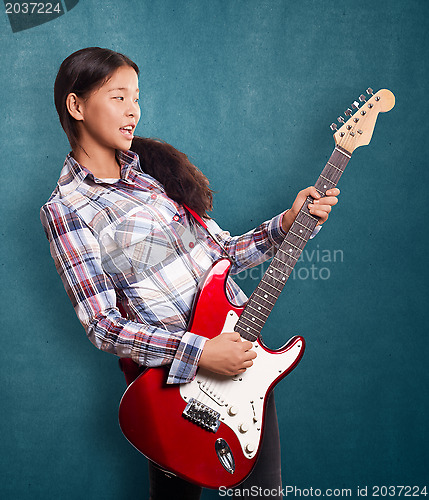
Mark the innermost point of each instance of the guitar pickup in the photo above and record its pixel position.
(202, 415)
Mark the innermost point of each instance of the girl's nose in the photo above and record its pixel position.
(133, 109)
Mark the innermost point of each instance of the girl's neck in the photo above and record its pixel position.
(100, 161)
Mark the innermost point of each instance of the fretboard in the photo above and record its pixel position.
(262, 300)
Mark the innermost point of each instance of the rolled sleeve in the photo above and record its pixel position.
(185, 363)
(275, 230)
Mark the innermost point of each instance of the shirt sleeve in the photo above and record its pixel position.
(77, 256)
(255, 246)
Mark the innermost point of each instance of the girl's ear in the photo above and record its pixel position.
(74, 106)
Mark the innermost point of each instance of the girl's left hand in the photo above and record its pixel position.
(320, 207)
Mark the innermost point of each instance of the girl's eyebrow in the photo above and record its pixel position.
(122, 88)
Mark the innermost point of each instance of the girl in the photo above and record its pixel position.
(123, 239)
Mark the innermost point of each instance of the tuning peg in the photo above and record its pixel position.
(333, 126)
(369, 91)
(340, 119)
(348, 112)
(362, 98)
(355, 105)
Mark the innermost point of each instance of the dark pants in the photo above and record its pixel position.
(266, 474)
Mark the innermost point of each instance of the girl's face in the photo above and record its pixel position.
(111, 113)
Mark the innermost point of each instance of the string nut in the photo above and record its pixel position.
(333, 126)
(362, 98)
(340, 119)
(369, 91)
(348, 112)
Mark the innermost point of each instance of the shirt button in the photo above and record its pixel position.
(153, 196)
(191, 245)
(176, 218)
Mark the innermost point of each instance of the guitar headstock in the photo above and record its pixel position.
(357, 130)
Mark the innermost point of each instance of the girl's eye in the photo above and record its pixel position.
(136, 100)
(118, 97)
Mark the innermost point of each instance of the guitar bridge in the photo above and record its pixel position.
(202, 415)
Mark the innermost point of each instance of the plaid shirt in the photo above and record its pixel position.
(125, 242)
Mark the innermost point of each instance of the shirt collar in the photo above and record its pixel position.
(73, 173)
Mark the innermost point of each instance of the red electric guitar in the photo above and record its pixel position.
(209, 431)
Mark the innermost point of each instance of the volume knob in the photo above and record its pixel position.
(243, 427)
(232, 411)
(250, 448)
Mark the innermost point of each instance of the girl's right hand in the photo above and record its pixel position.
(227, 354)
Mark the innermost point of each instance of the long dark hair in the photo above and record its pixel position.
(183, 182)
(81, 73)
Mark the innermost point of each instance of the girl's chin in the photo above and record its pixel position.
(125, 144)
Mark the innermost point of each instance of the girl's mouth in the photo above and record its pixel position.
(127, 131)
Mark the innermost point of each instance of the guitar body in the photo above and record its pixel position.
(207, 431)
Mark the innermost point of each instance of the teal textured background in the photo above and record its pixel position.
(247, 89)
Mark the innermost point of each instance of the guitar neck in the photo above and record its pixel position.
(265, 295)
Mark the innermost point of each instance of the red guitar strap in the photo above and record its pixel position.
(199, 219)
(213, 236)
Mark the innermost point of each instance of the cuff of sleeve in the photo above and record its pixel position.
(275, 229)
(185, 363)
(315, 231)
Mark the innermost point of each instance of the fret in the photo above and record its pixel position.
(248, 328)
(266, 293)
(281, 270)
(311, 220)
(252, 324)
(332, 175)
(326, 179)
(261, 296)
(276, 259)
(286, 253)
(340, 161)
(303, 225)
(282, 281)
(259, 310)
(297, 235)
(332, 165)
(309, 215)
(292, 245)
(255, 324)
(270, 285)
(250, 331)
(252, 320)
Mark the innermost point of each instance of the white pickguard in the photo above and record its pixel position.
(240, 399)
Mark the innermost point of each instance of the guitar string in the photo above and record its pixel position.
(217, 389)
